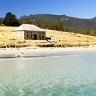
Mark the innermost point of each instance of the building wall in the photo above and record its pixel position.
(35, 35)
(18, 35)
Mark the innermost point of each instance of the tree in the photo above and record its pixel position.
(10, 20)
(56, 26)
(1, 21)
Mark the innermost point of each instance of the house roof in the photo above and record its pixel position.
(28, 27)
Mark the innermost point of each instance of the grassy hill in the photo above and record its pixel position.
(58, 38)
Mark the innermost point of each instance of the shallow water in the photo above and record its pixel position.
(66, 74)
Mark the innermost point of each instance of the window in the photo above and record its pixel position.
(43, 38)
(31, 35)
(27, 36)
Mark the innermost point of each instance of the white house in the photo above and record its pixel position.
(32, 32)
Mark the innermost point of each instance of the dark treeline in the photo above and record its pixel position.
(9, 20)
(1, 21)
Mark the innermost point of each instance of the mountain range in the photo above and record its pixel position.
(44, 20)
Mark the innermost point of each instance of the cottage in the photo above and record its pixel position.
(31, 32)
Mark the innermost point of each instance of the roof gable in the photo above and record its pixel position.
(28, 27)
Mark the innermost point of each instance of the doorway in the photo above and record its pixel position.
(35, 36)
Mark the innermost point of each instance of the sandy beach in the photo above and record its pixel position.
(37, 51)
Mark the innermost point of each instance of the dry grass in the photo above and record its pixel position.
(70, 39)
(58, 38)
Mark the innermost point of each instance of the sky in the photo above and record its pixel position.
(74, 8)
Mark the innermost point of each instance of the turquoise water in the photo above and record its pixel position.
(66, 74)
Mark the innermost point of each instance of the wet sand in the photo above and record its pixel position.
(38, 51)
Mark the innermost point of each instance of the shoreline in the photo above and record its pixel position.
(40, 51)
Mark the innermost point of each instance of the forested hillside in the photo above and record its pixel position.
(62, 22)
(59, 22)
(44, 20)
